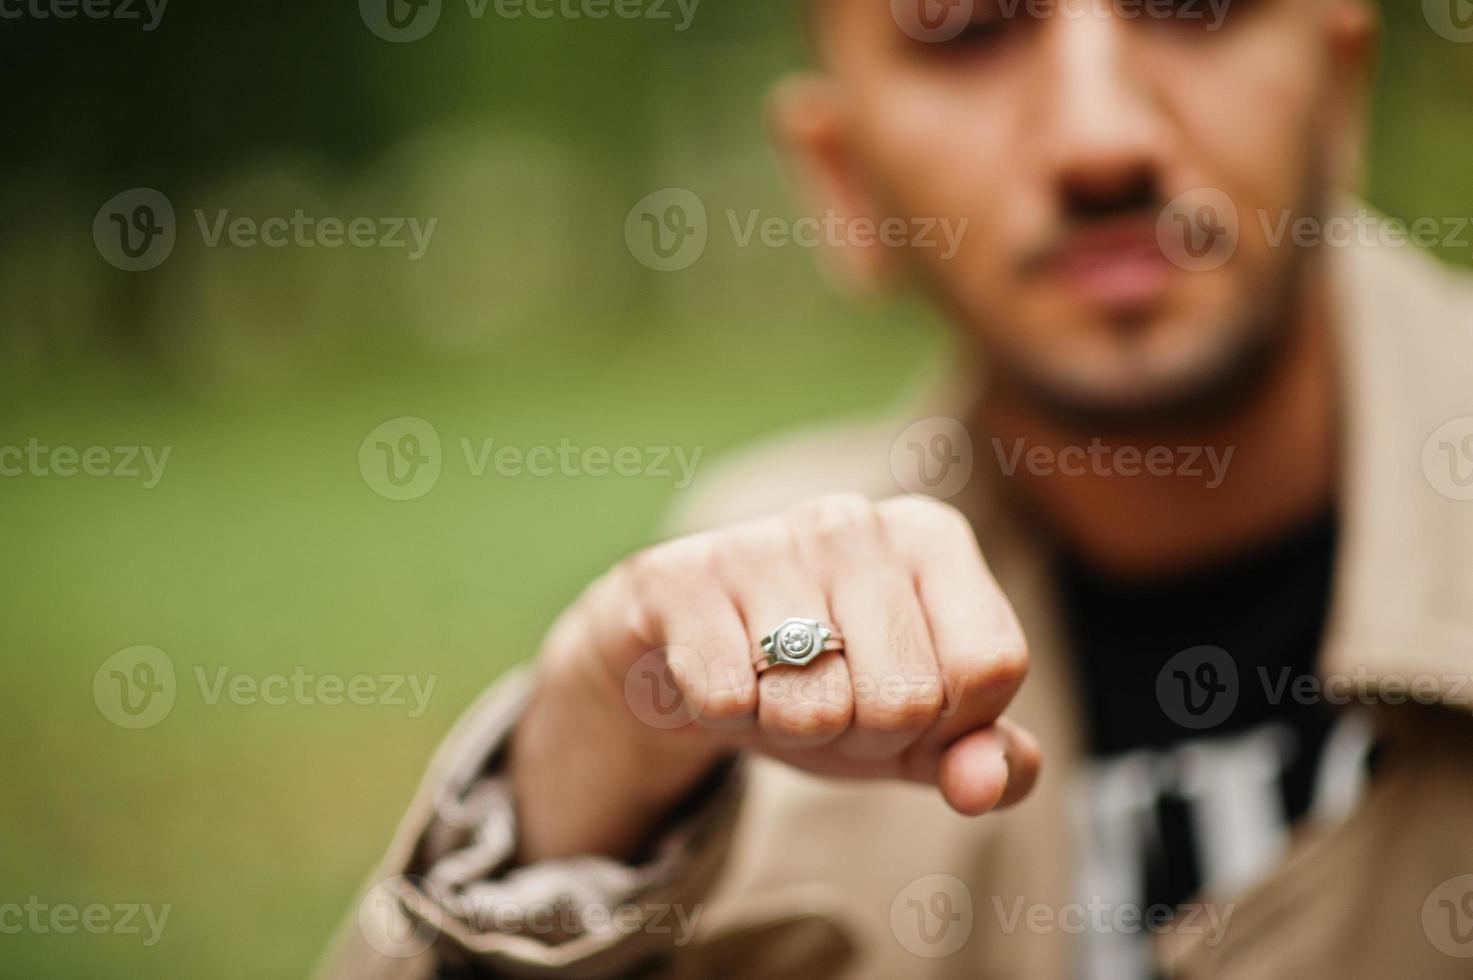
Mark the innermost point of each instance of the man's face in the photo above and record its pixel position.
(1063, 131)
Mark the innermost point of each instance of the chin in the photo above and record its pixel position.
(1152, 374)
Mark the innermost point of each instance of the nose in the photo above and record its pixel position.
(1102, 126)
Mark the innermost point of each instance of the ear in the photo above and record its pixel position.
(809, 122)
(1354, 37)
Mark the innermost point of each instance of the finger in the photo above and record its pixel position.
(983, 770)
(668, 602)
(800, 707)
(893, 670)
(769, 583)
(980, 649)
(705, 647)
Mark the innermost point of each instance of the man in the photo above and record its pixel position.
(1204, 513)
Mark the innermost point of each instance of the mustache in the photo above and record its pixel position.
(1089, 210)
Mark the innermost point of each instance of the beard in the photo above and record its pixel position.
(1250, 340)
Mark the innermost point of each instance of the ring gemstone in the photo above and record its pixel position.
(796, 640)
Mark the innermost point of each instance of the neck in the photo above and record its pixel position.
(1146, 505)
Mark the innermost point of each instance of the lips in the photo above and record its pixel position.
(1119, 266)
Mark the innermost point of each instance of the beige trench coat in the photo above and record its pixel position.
(795, 876)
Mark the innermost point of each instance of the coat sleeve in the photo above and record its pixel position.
(447, 900)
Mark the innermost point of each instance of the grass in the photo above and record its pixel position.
(263, 550)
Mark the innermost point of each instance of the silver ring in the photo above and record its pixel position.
(797, 643)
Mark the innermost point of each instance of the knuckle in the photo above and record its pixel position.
(677, 559)
(807, 718)
(737, 551)
(1003, 668)
(994, 659)
(730, 703)
(1009, 663)
(804, 725)
(907, 716)
(925, 512)
(842, 516)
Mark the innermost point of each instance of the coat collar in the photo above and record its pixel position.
(1402, 615)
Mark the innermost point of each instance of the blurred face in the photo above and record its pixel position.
(1120, 166)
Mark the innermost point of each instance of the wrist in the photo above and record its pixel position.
(590, 776)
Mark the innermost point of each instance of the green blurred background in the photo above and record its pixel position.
(263, 549)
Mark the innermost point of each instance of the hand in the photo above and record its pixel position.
(933, 655)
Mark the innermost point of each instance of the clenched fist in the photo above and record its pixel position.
(932, 655)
